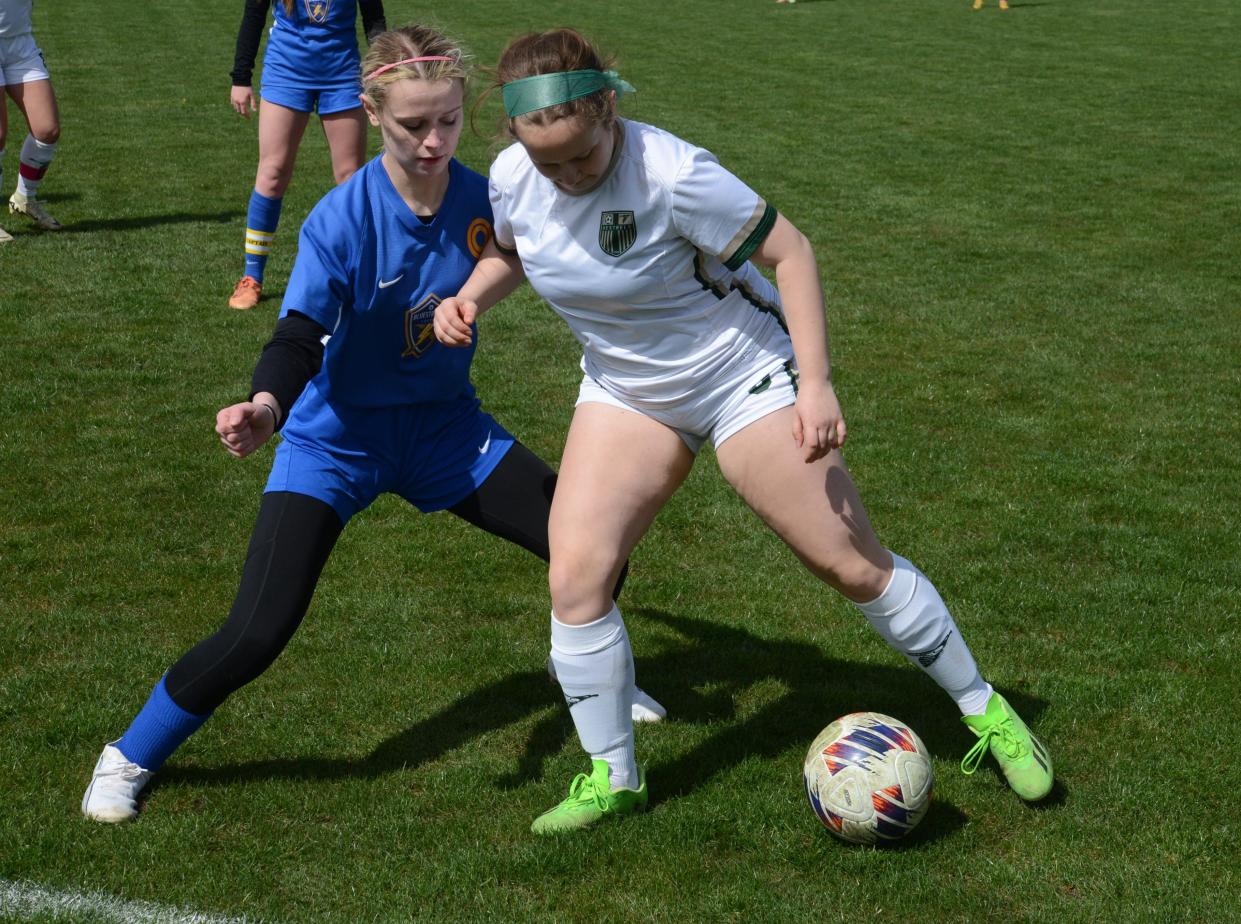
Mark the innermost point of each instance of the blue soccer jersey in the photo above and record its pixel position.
(315, 47)
(372, 273)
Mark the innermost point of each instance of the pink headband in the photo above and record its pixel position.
(387, 67)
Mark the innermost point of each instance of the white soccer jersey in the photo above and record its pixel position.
(649, 269)
(15, 17)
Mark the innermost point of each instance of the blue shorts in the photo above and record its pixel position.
(326, 100)
(433, 454)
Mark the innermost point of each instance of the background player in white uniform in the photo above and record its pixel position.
(383, 407)
(641, 242)
(23, 75)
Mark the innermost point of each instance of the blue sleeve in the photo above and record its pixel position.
(321, 284)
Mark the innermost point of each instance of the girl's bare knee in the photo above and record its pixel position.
(272, 179)
(858, 578)
(578, 595)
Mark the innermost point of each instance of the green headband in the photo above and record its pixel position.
(543, 90)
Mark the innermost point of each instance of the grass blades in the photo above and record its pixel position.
(1028, 228)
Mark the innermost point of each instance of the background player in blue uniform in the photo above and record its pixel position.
(311, 64)
(381, 407)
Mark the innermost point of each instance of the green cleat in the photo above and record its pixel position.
(1022, 757)
(590, 801)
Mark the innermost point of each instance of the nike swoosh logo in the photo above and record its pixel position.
(482, 450)
(574, 700)
(391, 282)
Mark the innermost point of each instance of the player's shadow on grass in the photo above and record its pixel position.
(727, 661)
(700, 677)
(91, 226)
(491, 707)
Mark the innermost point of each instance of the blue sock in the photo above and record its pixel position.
(261, 221)
(158, 730)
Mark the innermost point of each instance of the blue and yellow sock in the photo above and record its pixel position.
(261, 220)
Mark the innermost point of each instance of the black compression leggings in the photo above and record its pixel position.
(292, 539)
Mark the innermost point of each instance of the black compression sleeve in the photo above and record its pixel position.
(253, 18)
(515, 502)
(289, 360)
(292, 539)
(373, 22)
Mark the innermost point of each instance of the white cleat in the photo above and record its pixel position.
(644, 708)
(5, 237)
(112, 795)
(33, 209)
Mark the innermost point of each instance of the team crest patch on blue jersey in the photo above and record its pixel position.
(477, 236)
(419, 334)
(317, 10)
(617, 232)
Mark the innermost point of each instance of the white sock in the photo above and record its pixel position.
(912, 618)
(35, 158)
(646, 708)
(594, 664)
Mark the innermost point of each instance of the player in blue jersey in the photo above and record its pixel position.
(368, 401)
(311, 64)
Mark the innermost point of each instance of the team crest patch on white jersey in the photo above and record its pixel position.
(617, 232)
(317, 10)
(419, 333)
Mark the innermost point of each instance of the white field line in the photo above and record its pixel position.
(19, 900)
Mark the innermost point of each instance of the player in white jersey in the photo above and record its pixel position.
(643, 243)
(674, 302)
(24, 77)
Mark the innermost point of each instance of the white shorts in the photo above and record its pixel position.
(21, 61)
(717, 412)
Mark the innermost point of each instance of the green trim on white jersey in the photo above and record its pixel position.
(762, 226)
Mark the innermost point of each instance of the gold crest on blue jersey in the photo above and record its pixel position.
(419, 333)
(317, 10)
(617, 232)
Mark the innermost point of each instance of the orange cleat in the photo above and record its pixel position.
(247, 294)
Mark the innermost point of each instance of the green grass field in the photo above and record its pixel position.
(1029, 225)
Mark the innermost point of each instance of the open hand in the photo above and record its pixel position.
(242, 100)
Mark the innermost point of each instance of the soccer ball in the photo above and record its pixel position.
(868, 778)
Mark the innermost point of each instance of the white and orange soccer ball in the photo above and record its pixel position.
(868, 778)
